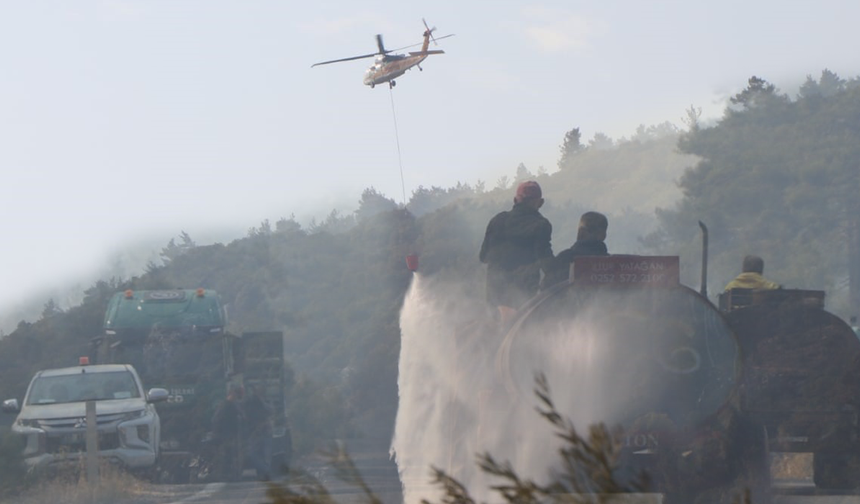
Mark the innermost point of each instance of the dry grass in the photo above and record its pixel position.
(71, 487)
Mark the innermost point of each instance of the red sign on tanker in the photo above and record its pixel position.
(627, 271)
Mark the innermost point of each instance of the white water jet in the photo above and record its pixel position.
(454, 403)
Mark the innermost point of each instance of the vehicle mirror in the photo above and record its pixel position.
(156, 395)
(11, 406)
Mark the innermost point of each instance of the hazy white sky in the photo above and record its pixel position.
(131, 120)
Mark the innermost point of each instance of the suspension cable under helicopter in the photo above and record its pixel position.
(397, 139)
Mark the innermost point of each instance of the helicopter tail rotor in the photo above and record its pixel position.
(429, 31)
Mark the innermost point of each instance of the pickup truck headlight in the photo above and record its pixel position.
(28, 422)
(133, 415)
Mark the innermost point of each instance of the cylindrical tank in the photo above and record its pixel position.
(639, 351)
(656, 360)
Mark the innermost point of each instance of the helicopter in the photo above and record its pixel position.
(388, 66)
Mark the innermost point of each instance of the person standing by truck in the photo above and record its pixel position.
(258, 444)
(227, 426)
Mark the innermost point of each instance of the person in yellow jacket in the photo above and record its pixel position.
(752, 278)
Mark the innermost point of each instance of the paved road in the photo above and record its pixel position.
(380, 474)
(786, 492)
(804, 492)
(375, 469)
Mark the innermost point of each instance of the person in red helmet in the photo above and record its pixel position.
(516, 247)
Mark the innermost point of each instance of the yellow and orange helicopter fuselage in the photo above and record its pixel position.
(387, 66)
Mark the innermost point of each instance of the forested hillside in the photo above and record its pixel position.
(335, 287)
(780, 178)
(775, 176)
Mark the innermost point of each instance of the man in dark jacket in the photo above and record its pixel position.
(589, 242)
(227, 426)
(258, 418)
(516, 247)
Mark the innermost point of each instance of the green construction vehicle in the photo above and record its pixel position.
(177, 340)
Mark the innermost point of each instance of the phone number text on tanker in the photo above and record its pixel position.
(627, 278)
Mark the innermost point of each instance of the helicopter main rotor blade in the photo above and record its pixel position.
(418, 44)
(406, 47)
(344, 59)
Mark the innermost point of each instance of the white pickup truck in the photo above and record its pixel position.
(52, 417)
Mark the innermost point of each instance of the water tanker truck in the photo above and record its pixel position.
(702, 395)
(801, 378)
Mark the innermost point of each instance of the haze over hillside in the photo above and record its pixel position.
(635, 174)
(128, 122)
(764, 178)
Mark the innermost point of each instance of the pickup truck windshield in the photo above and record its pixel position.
(83, 387)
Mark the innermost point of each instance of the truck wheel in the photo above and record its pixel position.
(756, 468)
(283, 456)
(837, 471)
(753, 481)
(182, 475)
(148, 474)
